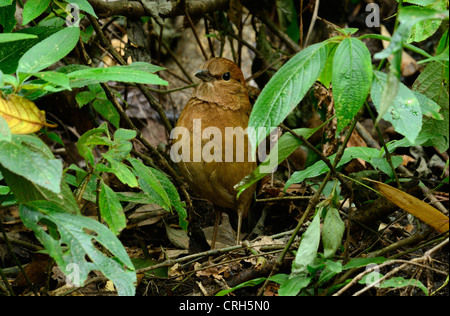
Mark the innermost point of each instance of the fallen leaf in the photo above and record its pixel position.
(414, 206)
(22, 115)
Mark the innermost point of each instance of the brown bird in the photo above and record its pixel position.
(214, 161)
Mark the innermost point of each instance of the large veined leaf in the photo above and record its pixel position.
(26, 156)
(307, 251)
(408, 17)
(351, 79)
(71, 241)
(405, 112)
(111, 209)
(285, 90)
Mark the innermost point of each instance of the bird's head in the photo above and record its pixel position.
(221, 82)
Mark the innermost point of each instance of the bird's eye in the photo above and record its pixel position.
(226, 76)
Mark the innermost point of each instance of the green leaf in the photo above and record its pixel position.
(307, 251)
(106, 109)
(293, 285)
(12, 37)
(433, 83)
(26, 191)
(408, 17)
(332, 232)
(174, 198)
(327, 72)
(351, 78)
(75, 250)
(331, 269)
(425, 29)
(5, 132)
(7, 16)
(124, 134)
(111, 209)
(5, 2)
(11, 52)
(362, 262)
(22, 157)
(285, 146)
(405, 113)
(90, 139)
(84, 97)
(150, 184)
(252, 282)
(33, 8)
(89, 76)
(394, 282)
(285, 90)
(383, 165)
(49, 51)
(53, 77)
(84, 5)
(122, 172)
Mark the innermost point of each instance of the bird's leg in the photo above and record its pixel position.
(239, 224)
(216, 227)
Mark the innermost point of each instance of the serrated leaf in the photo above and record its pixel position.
(425, 29)
(351, 78)
(74, 251)
(26, 191)
(111, 209)
(174, 198)
(285, 90)
(49, 51)
(433, 83)
(34, 164)
(150, 184)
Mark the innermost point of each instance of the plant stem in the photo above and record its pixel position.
(388, 154)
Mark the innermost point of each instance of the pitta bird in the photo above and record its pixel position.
(216, 153)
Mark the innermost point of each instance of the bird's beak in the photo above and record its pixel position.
(204, 75)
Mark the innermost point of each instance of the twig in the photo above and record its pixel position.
(160, 160)
(312, 203)
(320, 155)
(188, 18)
(415, 261)
(274, 28)
(313, 21)
(284, 198)
(152, 101)
(388, 154)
